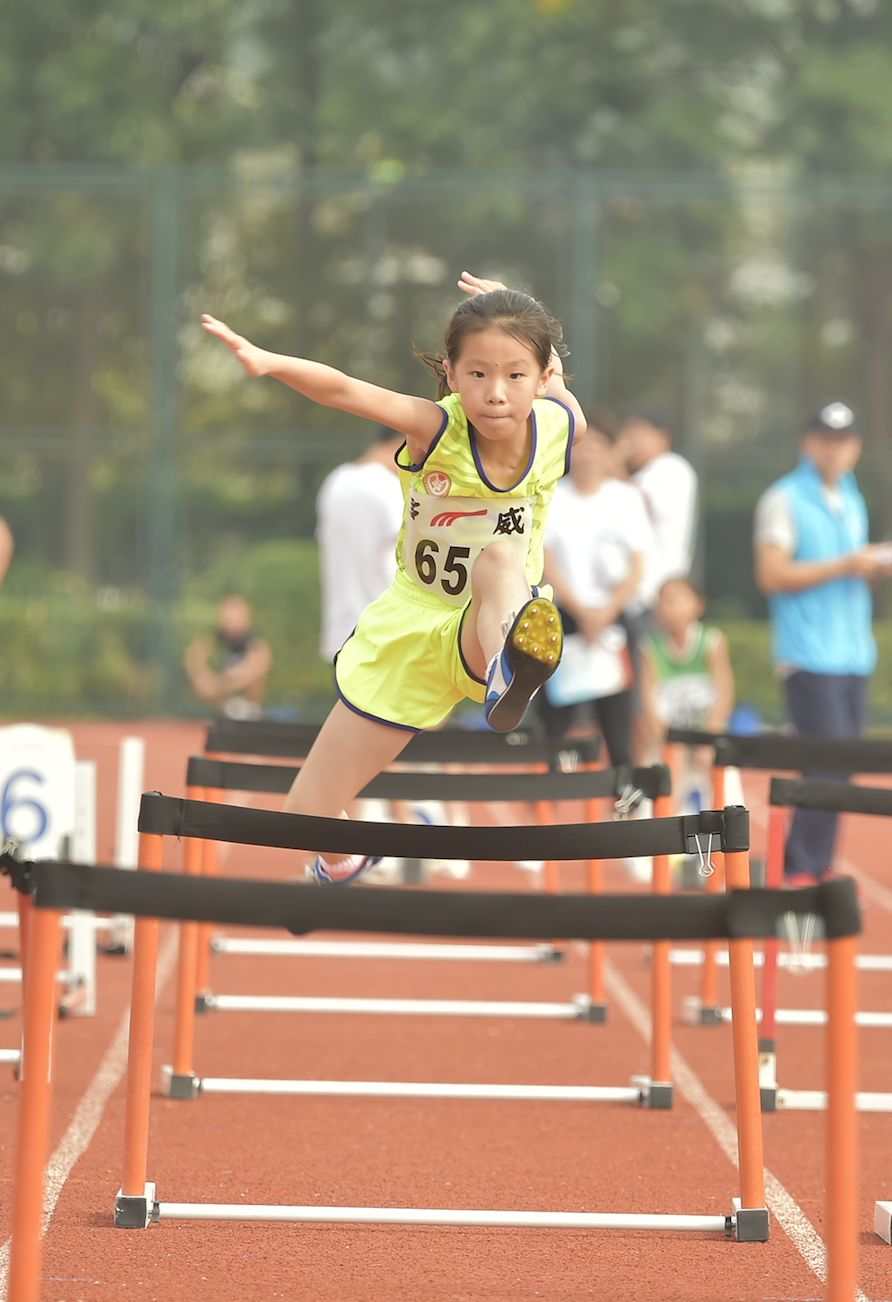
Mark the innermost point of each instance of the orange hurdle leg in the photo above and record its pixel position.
(23, 904)
(544, 814)
(595, 885)
(709, 977)
(210, 867)
(183, 1080)
(33, 1137)
(746, 1049)
(842, 1119)
(774, 876)
(661, 973)
(139, 1063)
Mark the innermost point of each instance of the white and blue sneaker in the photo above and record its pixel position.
(342, 872)
(531, 653)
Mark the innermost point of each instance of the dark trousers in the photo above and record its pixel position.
(821, 705)
(612, 714)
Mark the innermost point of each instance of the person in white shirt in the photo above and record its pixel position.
(669, 485)
(359, 510)
(597, 538)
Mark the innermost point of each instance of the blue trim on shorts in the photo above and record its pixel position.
(373, 718)
(461, 654)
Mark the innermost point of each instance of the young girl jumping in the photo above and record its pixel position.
(463, 618)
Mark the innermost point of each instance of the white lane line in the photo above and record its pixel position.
(88, 1114)
(786, 1211)
(878, 893)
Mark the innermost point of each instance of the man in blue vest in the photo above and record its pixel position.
(815, 564)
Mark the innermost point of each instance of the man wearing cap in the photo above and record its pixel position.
(814, 563)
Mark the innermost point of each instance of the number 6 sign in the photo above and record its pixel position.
(37, 776)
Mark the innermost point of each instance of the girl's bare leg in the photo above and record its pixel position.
(532, 650)
(348, 752)
(499, 588)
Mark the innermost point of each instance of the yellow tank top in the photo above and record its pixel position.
(452, 510)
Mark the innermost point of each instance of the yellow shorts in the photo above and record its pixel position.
(403, 663)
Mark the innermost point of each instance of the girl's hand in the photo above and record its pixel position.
(472, 285)
(254, 360)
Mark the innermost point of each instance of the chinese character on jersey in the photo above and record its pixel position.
(510, 521)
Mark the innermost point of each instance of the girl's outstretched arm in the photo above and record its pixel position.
(417, 418)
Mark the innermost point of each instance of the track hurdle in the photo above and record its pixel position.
(253, 827)
(398, 784)
(739, 916)
(775, 752)
(841, 798)
(609, 785)
(474, 751)
(183, 1082)
(276, 740)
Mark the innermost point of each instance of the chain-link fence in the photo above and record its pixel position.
(143, 475)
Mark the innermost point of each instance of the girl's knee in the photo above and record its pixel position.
(497, 558)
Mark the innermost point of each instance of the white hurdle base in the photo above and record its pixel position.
(386, 949)
(798, 962)
(164, 1211)
(816, 1101)
(12, 1056)
(423, 1090)
(882, 1221)
(12, 976)
(96, 924)
(810, 1017)
(580, 1008)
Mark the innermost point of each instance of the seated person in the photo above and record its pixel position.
(686, 680)
(229, 667)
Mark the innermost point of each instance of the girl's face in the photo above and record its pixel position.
(497, 377)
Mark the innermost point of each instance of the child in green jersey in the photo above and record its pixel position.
(687, 680)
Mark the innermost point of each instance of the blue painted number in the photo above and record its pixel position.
(11, 805)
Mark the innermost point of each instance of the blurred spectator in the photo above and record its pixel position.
(229, 667)
(7, 547)
(669, 485)
(686, 675)
(359, 512)
(814, 563)
(597, 536)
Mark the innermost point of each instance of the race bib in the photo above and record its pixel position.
(445, 535)
(685, 700)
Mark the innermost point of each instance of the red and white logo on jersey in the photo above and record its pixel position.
(446, 518)
(437, 483)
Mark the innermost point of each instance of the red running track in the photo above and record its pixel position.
(444, 1153)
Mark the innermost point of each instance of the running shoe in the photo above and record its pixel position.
(342, 872)
(531, 653)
